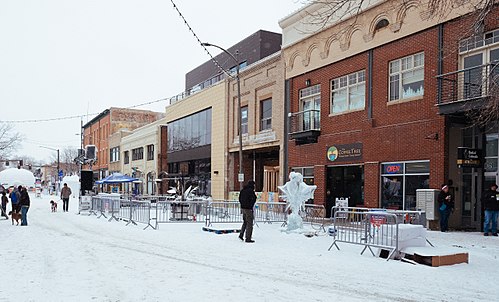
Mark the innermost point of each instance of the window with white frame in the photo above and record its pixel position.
(266, 114)
(348, 92)
(244, 120)
(114, 154)
(407, 77)
(310, 103)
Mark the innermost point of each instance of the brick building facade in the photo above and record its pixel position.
(363, 123)
(99, 130)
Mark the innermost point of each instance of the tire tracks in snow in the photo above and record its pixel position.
(340, 289)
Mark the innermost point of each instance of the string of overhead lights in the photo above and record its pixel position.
(78, 116)
(199, 40)
(134, 106)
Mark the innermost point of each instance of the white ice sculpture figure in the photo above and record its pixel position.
(296, 192)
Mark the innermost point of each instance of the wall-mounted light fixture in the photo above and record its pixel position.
(308, 82)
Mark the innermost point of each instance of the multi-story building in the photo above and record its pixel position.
(262, 125)
(199, 135)
(248, 51)
(195, 144)
(140, 151)
(363, 122)
(98, 131)
(467, 96)
(115, 162)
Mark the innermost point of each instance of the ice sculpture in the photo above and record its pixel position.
(296, 192)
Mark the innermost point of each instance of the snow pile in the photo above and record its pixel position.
(16, 177)
(73, 182)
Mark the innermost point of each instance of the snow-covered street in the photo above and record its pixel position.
(69, 257)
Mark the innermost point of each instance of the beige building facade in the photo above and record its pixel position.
(262, 125)
(140, 151)
(196, 140)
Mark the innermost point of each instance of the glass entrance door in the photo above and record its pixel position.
(472, 85)
(345, 182)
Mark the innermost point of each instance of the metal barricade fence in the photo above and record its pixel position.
(125, 212)
(179, 211)
(269, 212)
(140, 212)
(223, 212)
(370, 229)
(95, 205)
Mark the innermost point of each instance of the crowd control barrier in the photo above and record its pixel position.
(369, 229)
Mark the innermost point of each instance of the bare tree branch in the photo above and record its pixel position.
(9, 140)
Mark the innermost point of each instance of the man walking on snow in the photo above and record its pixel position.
(247, 199)
(65, 194)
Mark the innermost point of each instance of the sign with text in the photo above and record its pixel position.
(469, 157)
(341, 153)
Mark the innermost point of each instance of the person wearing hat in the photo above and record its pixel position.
(247, 199)
(491, 205)
(445, 207)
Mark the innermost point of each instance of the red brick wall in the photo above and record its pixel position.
(396, 132)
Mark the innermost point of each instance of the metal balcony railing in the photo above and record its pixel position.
(468, 84)
(303, 121)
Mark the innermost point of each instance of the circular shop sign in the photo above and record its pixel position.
(332, 153)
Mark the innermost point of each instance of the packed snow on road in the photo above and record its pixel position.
(70, 257)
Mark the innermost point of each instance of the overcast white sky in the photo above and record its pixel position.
(61, 58)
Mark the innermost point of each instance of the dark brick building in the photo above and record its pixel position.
(250, 50)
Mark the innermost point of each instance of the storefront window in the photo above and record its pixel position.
(400, 182)
(307, 173)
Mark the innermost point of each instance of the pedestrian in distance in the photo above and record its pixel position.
(5, 200)
(445, 207)
(247, 199)
(24, 202)
(490, 203)
(65, 194)
(14, 196)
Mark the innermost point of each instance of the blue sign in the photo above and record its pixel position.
(393, 169)
(60, 173)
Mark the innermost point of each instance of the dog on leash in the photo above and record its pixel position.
(53, 206)
(15, 216)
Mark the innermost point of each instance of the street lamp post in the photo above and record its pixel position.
(239, 120)
(58, 166)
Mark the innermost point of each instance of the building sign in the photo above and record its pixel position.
(468, 157)
(350, 152)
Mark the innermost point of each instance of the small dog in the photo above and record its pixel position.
(53, 206)
(15, 216)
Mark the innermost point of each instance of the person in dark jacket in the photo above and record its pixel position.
(5, 200)
(24, 203)
(445, 207)
(490, 203)
(247, 199)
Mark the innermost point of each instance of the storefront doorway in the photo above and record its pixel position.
(345, 182)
